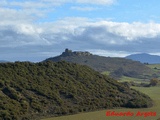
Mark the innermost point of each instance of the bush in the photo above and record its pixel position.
(154, 82)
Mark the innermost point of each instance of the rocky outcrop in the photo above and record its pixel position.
(75, 53)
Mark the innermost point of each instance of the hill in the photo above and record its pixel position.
(145, 58)
(3, 61)
(33, 90)
(117, 67)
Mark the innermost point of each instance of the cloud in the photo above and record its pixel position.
(114, 33)
(99, 32)
(134, 30)
(83, 8)
(31, 4)
(14, 35)
(108, 53)
(48, 4)
(26, 10)
(109, 35)
(99, 2)
(18, 28)
(17, 11)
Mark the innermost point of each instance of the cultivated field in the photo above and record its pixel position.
(153, 92)
(155, 68)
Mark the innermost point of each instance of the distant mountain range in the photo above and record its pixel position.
(145, 58)
(116, 67)
(3, 61)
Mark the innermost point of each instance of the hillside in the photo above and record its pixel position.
(3, 61)
(117, 67)
(33, 90)
(145, 58)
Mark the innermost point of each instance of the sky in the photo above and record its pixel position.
(33, 30)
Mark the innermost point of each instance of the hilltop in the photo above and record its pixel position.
(117, 67)
(68, 52)
(34, 90)
(145, 58)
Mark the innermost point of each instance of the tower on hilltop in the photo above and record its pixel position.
(68, 52)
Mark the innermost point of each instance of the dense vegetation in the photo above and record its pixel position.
(153, 92)
(117, 67)
(32, 90)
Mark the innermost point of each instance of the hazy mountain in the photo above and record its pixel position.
(3, 61)
(32, 90)
(116, 66)
(145, 58)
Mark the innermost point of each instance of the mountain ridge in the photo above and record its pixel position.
(145, 58)
(3, 61)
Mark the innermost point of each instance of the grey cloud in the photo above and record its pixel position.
(45, 40)
(21, 38)
(99, 34)
(11, 37)
(98, 37)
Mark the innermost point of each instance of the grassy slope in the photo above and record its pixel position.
(110, 64)
(154, 65)
(130, 79)
(153, 92)
(155, 68)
